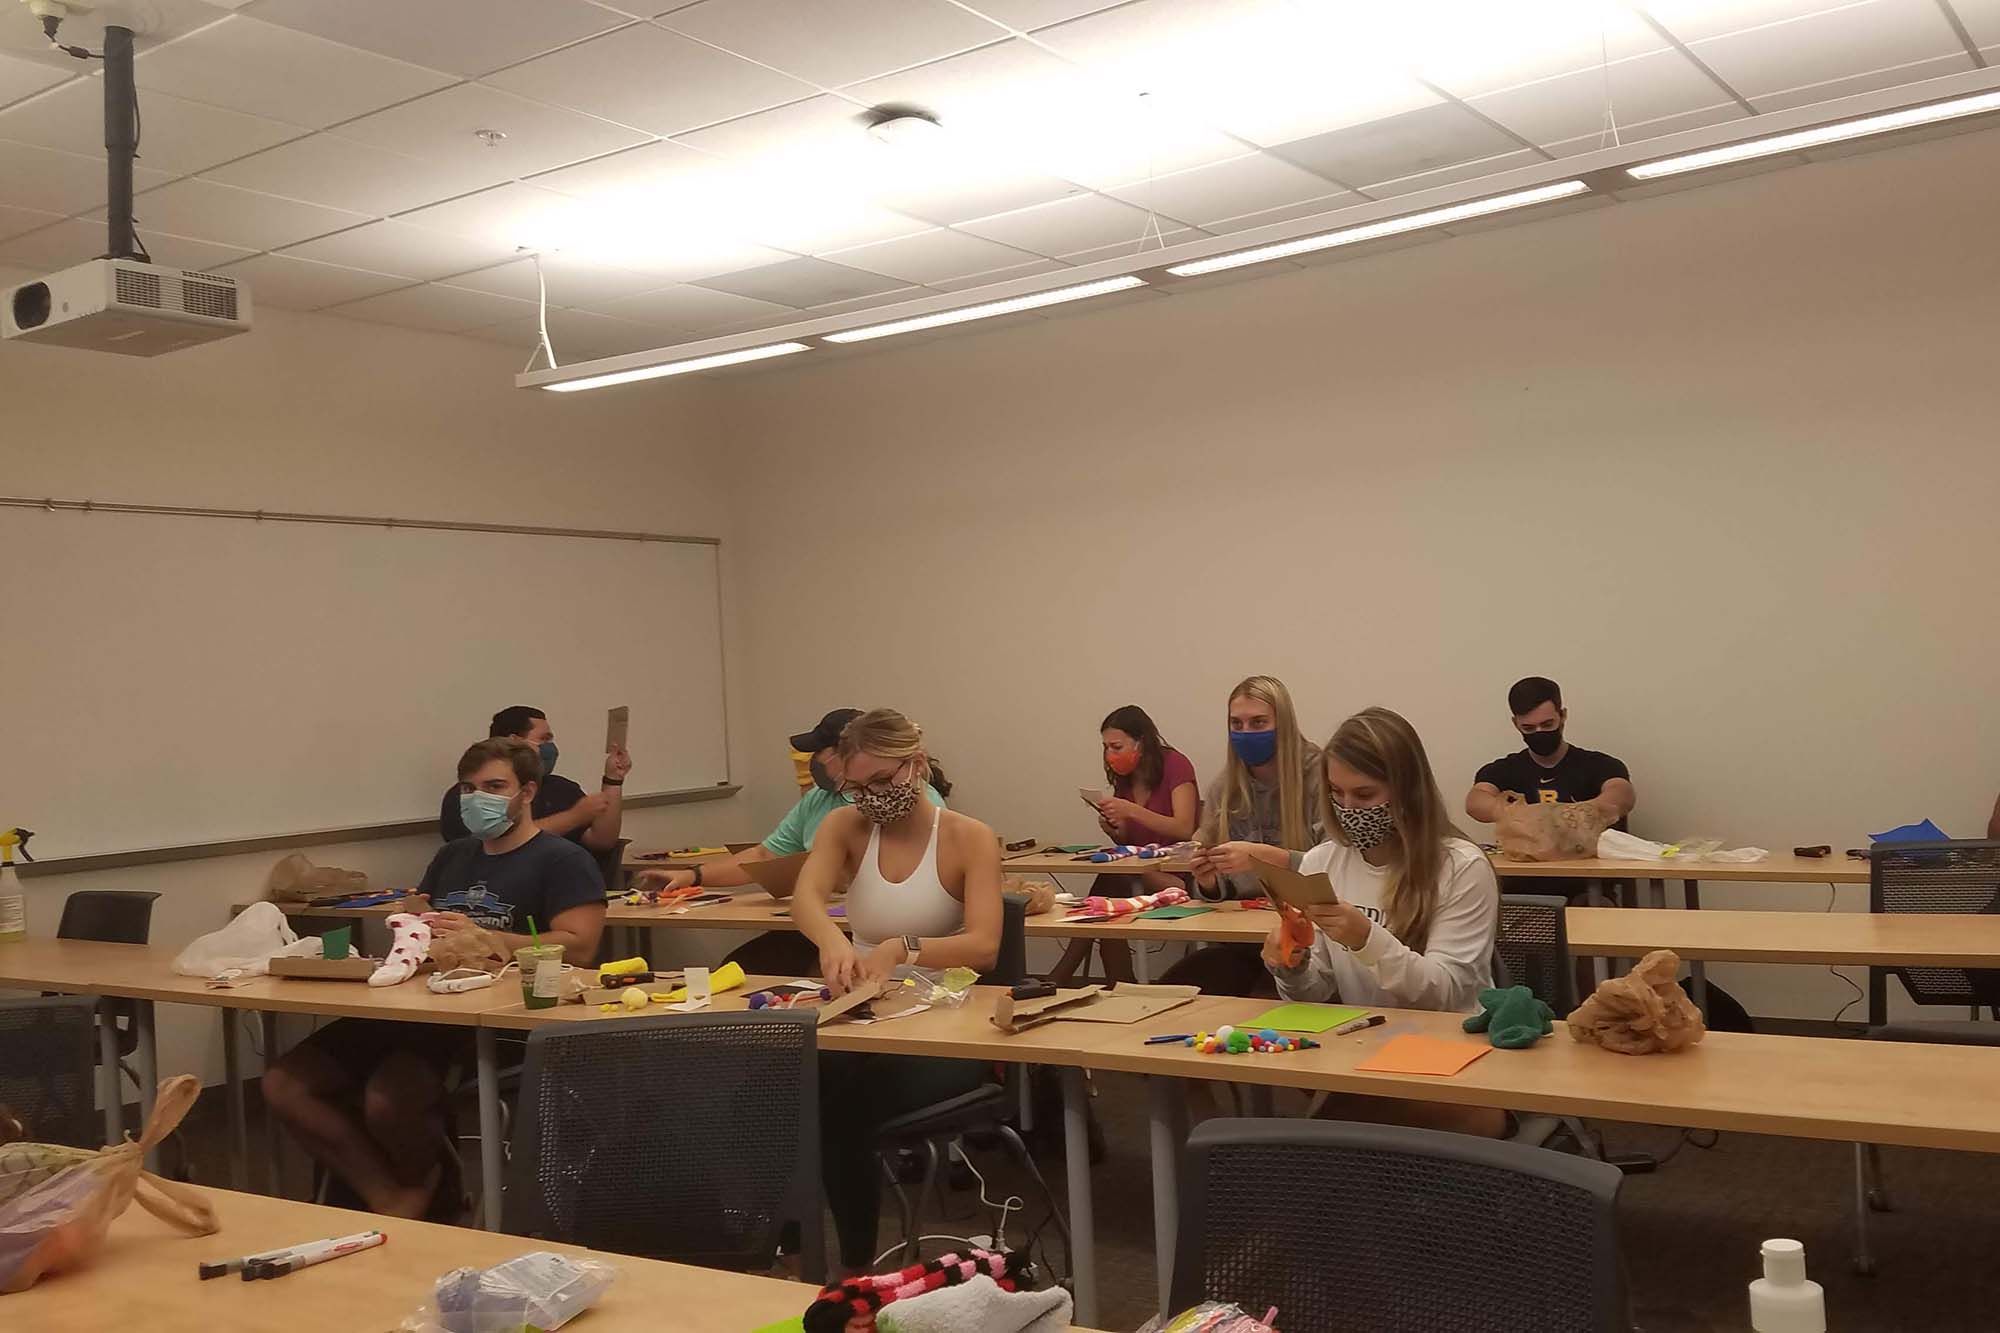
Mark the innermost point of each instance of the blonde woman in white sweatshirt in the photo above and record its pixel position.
(1418, 904)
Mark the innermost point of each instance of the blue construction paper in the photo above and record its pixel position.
(1921, 832)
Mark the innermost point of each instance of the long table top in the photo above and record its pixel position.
(1808, 1087)
(145, 1279)
(1778, 868)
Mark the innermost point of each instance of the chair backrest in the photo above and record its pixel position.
(611, 863)
(1010, 965)
(114, 916)
(1354, 1228)
(1961, 876)
(687, 1137)
(48, 1068)
(1533, 944)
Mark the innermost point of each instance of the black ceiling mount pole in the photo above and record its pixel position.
(121, 141)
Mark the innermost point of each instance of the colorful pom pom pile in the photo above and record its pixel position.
(1227, 1040)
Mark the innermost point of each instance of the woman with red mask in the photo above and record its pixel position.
(1154, 799)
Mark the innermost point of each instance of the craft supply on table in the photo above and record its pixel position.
(1415, 1054)
(1174, 912)
(289, 1260)
(1353, 1025)
(1308, 1018)
(1100, 908)
(1511, 1017)
(540, 1290)
(792, 995)
(1228, 1040)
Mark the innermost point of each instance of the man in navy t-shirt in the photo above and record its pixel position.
(506, 873)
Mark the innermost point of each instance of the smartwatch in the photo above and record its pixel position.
(912, 946)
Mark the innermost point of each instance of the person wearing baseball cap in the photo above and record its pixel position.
(795, 831)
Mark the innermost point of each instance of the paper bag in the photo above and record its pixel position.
(1548, 831)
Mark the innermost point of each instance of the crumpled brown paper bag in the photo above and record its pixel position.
(1643, 1012)
(294, 879)
(1545, 831)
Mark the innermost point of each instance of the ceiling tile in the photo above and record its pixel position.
(1170, 234)
(801, 282)
(1473, 47)
(633, 170)
(1457, 171)
(577, 335)
(512, 214)
(18, 78)
(1644, 88)
(77, 240)
(151, 22)
(442, 126)
(656, 80)
(64, 183)
(1248, 184)
(1696, 20)
(327, 169)
(1287, 213)
(265, 70)
(1081, 222)
(440, 309)
(180, 136)
(1267, 70)
(398, 248)
(14, 221)
(877, 301)
(234, 217)
(1027, 15)
(1811, 52)
(1398, 146)
(1981, 19)
(1936, 67)
(933, 256)
(469, 37)
(569, 283)
(1700, 118)
(679, 309)
(836, 42)
(301, 284)
(1008, 274)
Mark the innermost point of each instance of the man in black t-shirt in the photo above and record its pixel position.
(504, 875)
(1550, 769)
(561, 806)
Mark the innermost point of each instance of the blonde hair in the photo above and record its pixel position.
(886, 734)
(1386, 747)
(1233, 792)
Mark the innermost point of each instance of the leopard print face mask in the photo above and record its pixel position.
(1367, 827)
(889, 805)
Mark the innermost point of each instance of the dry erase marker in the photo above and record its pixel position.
(1357, 1024)
(224, 1267)
(315, 1252)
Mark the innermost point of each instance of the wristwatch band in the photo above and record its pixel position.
(697, 877)
(614, 782)
(911, 947)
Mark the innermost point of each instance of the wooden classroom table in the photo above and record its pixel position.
(1830, 938)
(145, 1279)
(635, 859)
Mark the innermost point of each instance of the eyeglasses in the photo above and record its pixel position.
(881, 787)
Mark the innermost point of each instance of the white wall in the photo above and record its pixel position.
(317, 413)
(1721, 462)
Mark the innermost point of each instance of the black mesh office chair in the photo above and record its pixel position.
(686, 1137)
(48, 1068)
(1354, 1228)
(984, 1109)
(1532, 949)
(113, 916)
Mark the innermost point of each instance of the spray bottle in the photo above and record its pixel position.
(13, 905)
(1784, 1300)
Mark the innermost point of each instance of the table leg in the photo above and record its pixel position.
(1166, 1108)
(148, 1054)
(489, 1130)
(232, 1077)
(1697, 971)
(107, 1062)
(267, 1022)
(1142, 964)
(1082, 1226)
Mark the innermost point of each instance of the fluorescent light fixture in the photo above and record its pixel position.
(1820, 134)
(1079, 292)
(679, 367)
(1369, 231)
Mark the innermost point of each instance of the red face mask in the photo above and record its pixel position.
(1122, 763)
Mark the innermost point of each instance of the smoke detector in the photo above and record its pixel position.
(900, 128)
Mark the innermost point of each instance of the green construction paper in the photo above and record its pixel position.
(1071, 847)
(1174, 913)
(796, 1324)
(334, 944)
(1307, 1018)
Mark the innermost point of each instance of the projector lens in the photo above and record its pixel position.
(31, 305)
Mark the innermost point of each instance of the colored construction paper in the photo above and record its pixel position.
(334, 944)
(1307, 1018)
(1412, 1054)
(1174, 913)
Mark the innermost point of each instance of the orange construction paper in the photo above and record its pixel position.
(1411, 1054)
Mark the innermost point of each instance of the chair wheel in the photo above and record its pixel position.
(1878, 1202)
(1862, 1265)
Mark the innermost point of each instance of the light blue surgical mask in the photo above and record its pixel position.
(547, 750)
(485, 814)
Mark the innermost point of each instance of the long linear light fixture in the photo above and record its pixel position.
(1836, 132)
(1056, 296)
(763, 353)
(1369, 231)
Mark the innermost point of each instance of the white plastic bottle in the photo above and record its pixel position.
(1784, 1300)
(13, 906)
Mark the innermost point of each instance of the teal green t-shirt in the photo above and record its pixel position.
(794, 833)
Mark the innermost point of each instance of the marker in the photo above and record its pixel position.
(313, 1252)
(1357, 1024)
(1171, 1036)
(224, 1267)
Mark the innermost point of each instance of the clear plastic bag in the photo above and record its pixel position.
(540, 1290)
(941, 990)
(1211, 1317)
(246, 945)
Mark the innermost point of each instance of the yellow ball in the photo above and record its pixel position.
(635, 998)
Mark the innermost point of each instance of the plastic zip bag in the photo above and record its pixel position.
(540, 1290)
(1212, 1317)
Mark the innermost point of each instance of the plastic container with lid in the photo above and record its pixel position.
(1785, 1300)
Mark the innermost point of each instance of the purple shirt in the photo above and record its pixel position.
(1176, 771)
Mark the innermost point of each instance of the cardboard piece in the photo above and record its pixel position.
(352, 968)
(1126, 1002)
(1311, 1019)
(777, 876)
(1289, 886)
(1413, 1054)
(617, 722)
(887, 998)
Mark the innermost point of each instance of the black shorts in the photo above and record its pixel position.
(360, 1045)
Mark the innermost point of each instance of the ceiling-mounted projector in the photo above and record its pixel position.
(122, 305)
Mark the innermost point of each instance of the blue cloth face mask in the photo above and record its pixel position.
(485, 814)
(1254, 748)
(547, 750)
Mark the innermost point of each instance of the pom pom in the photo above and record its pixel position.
(1239, 1042)
(1225, 1031)
(759, 1000)
(1269, 1034)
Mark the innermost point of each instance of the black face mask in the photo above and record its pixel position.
(819, 775)
(1544, 743)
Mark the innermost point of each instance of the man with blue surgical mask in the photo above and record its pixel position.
(561, 807)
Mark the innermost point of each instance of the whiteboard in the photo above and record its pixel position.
(169, 680)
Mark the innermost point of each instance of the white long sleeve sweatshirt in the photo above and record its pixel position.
(1457, 961)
